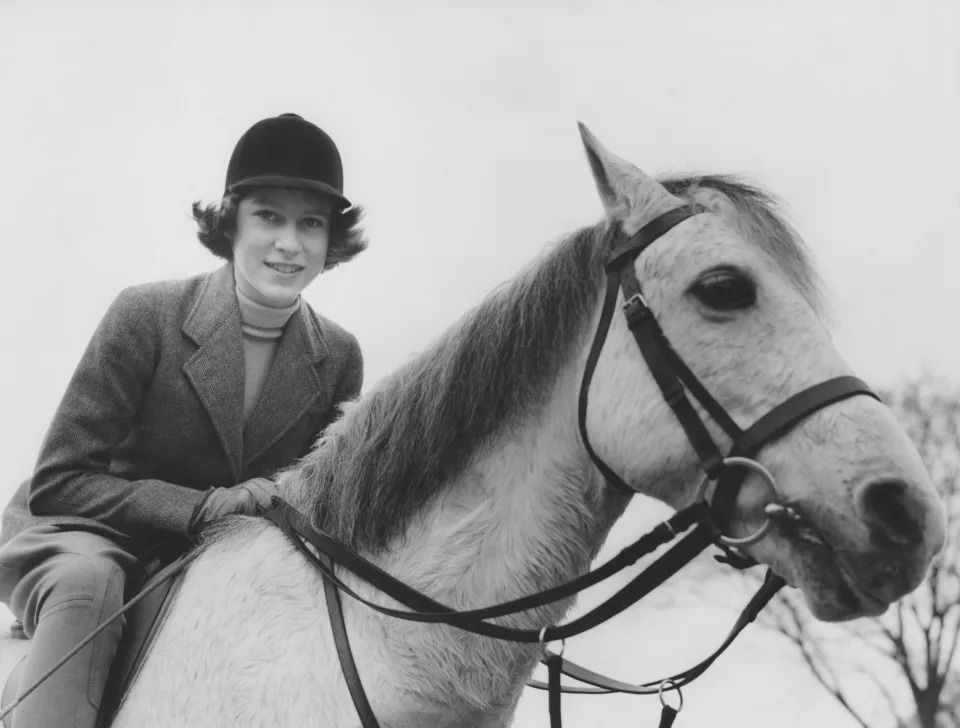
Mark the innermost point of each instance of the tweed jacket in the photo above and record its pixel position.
(153, 416)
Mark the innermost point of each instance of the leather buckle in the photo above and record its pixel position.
(636, 310)
(636, 298)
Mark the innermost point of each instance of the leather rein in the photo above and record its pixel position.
(696, 526)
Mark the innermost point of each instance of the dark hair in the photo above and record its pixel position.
(216, 223)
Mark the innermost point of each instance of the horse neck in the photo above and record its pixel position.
(527, 513)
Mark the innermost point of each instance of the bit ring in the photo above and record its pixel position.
(767, 477)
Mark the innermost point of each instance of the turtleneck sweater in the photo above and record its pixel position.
(262, 328)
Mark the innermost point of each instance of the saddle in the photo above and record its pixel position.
(161, 582)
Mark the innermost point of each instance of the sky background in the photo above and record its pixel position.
(457, 125)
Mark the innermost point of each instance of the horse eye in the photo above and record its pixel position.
(725, 290)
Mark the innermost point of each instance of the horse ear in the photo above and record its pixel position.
(628, 194)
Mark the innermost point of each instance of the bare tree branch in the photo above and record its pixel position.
(951, 652)
(884, 691)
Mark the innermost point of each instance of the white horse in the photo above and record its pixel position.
(465, 476)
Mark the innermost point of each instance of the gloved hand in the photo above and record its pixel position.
(249, 498)
(264, 492)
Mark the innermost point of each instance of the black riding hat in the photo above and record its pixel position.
(287, 151)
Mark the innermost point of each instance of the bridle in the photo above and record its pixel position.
(675, 381)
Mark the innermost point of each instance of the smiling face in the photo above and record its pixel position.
(280, 243)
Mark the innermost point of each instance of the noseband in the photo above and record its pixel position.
(695, 527)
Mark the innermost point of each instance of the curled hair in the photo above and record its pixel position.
(217, 222)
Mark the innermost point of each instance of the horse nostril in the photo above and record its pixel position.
(891, 513)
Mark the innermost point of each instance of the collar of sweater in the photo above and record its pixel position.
(262, 322)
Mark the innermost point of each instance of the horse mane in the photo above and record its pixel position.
(394, 450)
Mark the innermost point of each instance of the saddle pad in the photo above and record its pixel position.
(143, 624)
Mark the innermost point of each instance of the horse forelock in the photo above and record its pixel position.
(400, 445)
(762, 222)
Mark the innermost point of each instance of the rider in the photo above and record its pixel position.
(189, 396)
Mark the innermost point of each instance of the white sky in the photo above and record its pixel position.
(457, 125)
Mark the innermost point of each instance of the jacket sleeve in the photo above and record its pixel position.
(97, 412)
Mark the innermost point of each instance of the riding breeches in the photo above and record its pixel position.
(73, 580)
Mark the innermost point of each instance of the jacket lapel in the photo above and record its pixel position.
(292, 385)
(216, 369)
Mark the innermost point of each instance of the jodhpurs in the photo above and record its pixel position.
(62, 584)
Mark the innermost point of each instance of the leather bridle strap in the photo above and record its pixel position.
(623, 255)
(777, 423)
(342, 641)
(659, 357)
(779, 420)
(602, 684)
(557, 665)
(295, 526)
(426, 609)
(606, 316)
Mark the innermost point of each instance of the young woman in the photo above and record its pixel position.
(189, 396)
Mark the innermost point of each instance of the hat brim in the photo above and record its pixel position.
(295, 183)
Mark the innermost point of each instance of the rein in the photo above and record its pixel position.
(702, 520)
(424, 609)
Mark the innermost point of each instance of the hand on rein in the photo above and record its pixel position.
(250, 498)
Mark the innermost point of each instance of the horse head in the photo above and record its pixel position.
(734, 293)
